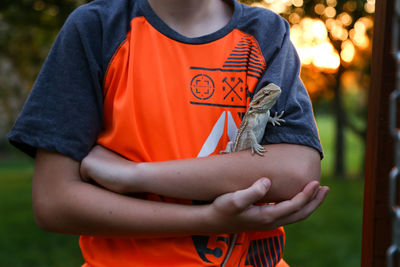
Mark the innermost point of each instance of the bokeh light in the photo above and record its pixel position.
(332, 38)
(310, 37)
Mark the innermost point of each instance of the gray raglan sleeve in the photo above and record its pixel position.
(283, 67)
(63, 112)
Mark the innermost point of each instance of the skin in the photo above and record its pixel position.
(207, 178)
(193, 18)
(65, 203)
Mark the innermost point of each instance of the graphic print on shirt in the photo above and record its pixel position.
(228, 86)
(232, 90)
(264, 252)
(201, 245)
(217, 132)
(202, 86)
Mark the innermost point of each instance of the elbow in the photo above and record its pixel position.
(52, 185)
(290, 168)
(306, 166)
(303, 171)
(44, 213)
(309, 171)
(49, 211)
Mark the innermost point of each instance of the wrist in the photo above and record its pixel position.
(217, 221)
(140, 177)
(209, 221)
(84, 169)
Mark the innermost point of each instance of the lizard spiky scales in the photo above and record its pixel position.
(253, 125)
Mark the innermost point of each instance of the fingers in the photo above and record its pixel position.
(297, 208)
(244, 198)
(295, 204)
(238, 208)
(308, 209)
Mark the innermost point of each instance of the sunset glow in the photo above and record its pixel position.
(314, 37)
(310, 37)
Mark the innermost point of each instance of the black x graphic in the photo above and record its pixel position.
(225, 80)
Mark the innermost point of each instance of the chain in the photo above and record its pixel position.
(394, 249)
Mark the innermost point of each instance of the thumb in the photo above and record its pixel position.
(243, 198)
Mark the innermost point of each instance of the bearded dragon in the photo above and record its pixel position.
(255, 120)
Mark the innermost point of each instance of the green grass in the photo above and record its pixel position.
(354, 155)
(22, 243)
(330, 237)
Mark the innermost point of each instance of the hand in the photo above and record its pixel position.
(108, 169)
(238, 213)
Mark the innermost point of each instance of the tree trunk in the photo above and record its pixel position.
(340, 169)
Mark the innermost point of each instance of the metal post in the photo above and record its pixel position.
(394, 249)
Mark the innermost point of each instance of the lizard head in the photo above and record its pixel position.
(266, 97)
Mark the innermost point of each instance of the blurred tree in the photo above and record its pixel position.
(27, 30)
(332, 38)
(347, 23)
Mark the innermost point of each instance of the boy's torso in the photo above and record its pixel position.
(167, 99)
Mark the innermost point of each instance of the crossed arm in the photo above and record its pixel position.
(289, 167)
(64, 203)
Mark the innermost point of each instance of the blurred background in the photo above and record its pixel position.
(334, 41)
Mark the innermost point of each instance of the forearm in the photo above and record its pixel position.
(289, 167)
(63, 203)
(95, 211)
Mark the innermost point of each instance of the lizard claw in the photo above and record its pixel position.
(276, 119)
(259, 149)
(228, 149)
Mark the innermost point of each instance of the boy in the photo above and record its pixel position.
(164, 83)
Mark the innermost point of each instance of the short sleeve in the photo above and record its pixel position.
(63, 112)
(283, 68)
